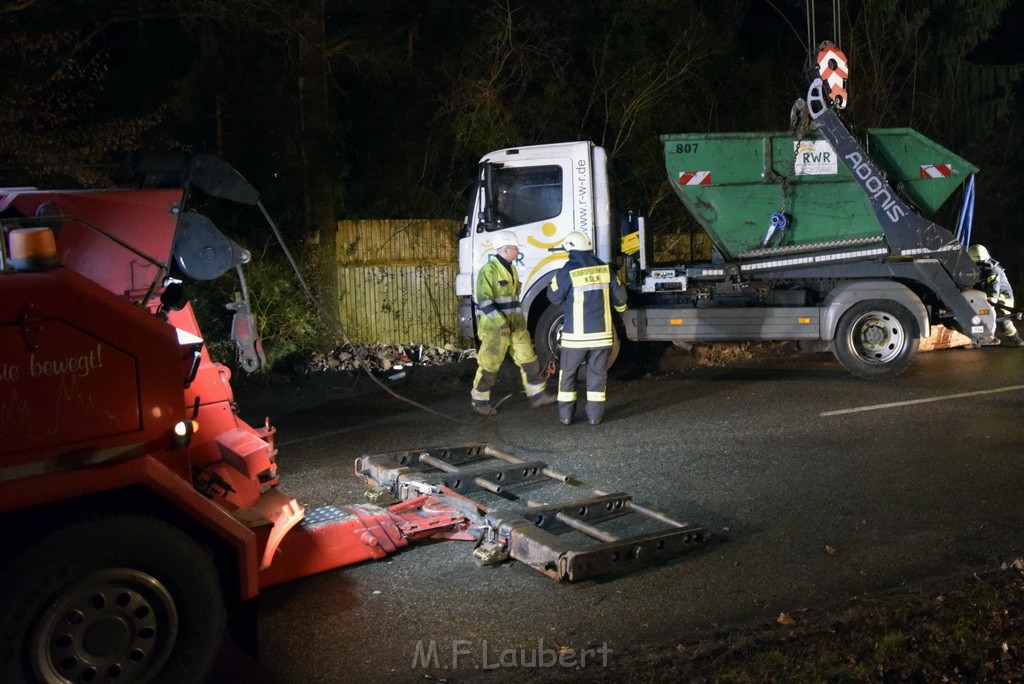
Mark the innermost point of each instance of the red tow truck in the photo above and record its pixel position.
(139, 514)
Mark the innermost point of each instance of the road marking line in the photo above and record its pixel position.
(875, 407)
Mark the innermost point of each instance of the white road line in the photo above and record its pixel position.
(875, 407)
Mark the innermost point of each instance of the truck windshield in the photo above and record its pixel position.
(526, 194)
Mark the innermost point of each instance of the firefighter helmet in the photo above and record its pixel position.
(577, 240)
(505, 238)
(978, 253)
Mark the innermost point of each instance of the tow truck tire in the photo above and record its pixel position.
(123, 598)
(876, 339)
(548, 334)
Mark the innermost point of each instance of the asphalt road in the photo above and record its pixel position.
(819, 488)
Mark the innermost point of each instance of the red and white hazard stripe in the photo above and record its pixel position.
(695, 178)
(936, 170)
(833, 70)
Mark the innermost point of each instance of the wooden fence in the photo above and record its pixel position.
(397, 280)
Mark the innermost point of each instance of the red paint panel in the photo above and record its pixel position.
(69, 388)
(144, 219)
(88, 374)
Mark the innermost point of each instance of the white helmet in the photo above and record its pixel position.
(978, 253)
(577, 240)
(505, 238)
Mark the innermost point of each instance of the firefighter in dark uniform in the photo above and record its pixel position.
(996, 287)
(589, 290)
(501, 327)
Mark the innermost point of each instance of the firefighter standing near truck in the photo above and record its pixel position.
(588, 290)
(502, 329)
(998, 291)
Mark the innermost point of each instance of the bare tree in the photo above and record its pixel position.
(321, 223)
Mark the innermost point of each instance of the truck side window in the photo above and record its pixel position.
(526, 195)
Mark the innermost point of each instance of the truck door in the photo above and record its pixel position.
(529, 200)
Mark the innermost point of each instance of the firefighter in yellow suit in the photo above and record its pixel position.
(501, 327)
(588, 289)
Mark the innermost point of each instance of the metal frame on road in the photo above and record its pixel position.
(530, 531)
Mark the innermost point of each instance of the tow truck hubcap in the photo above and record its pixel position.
(112, 625)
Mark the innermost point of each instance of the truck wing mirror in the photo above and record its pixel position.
(209, 173)
(216, 177)
(487, 220)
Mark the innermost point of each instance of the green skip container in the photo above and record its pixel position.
(733, 183)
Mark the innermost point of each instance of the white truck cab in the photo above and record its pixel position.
(541, 193)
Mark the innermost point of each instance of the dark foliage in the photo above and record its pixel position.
(418, 91)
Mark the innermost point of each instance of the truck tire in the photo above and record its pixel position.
(548, 334)
(123, 598)
(876, 339)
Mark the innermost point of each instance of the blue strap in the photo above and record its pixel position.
(966, 219)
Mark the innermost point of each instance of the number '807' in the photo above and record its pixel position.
(686, 148)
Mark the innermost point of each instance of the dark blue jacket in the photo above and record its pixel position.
(589, 289)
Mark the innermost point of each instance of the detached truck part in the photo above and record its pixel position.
(820, 237)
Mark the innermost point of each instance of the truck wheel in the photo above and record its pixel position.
(548, 335)
(876, 339)
(117, 598)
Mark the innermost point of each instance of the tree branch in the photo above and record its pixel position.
(16, 6)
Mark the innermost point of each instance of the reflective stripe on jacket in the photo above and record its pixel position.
(589, 290)
(497, 296)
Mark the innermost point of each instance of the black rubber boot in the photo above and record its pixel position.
(484, 408)
(542, 399)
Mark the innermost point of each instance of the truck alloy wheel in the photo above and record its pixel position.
(876, 339)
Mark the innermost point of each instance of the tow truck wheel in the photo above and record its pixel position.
(876, 339)
(547, 337)
(120, 598)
